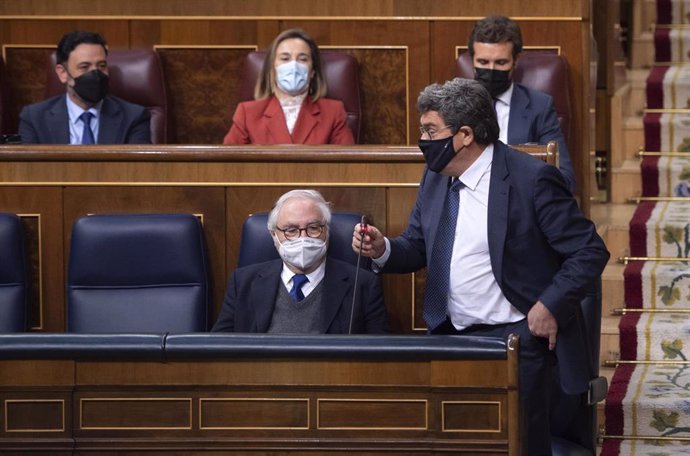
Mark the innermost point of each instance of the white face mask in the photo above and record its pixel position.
(292, 77)
(303, 252)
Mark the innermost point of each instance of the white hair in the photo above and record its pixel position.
(312, 195)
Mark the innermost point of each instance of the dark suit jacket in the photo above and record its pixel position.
(121, 122)
(541, 246)
(252, 290)
(263, 122)
(533, 120)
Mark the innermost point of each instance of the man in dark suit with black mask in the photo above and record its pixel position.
(85, 114)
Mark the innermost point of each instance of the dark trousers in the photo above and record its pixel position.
(536, 364)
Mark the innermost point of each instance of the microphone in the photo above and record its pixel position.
(363, 230)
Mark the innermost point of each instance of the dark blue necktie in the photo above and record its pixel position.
(297, 281)
(87, 136)
(438, 271)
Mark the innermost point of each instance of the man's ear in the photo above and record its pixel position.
(468, 135)
(61, 73)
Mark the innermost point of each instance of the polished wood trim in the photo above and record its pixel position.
(24, 46)
(279, 18)
(212, 153)
(529, 48)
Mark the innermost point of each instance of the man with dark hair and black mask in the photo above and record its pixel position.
(85, 114)
(506, 248)
(524, 115)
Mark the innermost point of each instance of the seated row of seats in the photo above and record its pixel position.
(142, 273)
(137, 76)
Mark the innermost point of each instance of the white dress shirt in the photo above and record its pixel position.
(474, 296)
(315, 277)
(502, 105)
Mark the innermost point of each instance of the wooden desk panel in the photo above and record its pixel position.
(293, 406)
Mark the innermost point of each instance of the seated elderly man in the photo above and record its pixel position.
(304, 291)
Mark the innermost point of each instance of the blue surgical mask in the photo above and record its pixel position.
(292, 77)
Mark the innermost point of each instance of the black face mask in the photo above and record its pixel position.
(92, 87)
(495, 81)
(437, 152)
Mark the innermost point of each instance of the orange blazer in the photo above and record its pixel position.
(263, 122)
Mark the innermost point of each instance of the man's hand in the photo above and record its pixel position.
(373, 245)
(542, 323)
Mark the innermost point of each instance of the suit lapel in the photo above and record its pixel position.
(336, 286)
(110, 124)
(263, 293)
(307, 120)
(518, 120)
(276, 126)
(58, 122)
(499, 193)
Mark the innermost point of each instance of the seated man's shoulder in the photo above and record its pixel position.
(266, 267)
(126, 105)
(536, 96)
(46, 104)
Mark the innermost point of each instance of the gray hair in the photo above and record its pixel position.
(462, 102)
(312, 195)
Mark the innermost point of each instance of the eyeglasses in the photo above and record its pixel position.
(292, 232)
(431, 132)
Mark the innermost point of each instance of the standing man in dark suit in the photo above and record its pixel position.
(85, 114)
(506, 248)
(304, 291)
(524, 115)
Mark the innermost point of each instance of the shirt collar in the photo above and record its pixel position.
(314, 277)
(74, 110)
(506, 96)
(472, 175)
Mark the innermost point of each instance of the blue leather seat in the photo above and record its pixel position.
(14, 282)
(574, 418)
(256, 243)
(143, 273)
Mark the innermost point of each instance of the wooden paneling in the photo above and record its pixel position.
(254, 413)
(200, 92)
(401, 45)
(244, 404)
(313, 8)
(134, 413)
(34, 415)
(372, 414)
